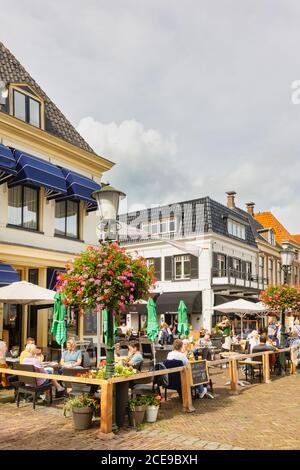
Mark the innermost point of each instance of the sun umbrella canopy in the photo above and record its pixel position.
(59, 329)
(240, 306)
(152, 323)
(183, 325)
(24, 293)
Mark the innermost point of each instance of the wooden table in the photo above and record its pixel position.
(232, 355)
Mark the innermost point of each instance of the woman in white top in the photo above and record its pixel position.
(253, 339)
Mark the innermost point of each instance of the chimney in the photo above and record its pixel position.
(250, 208)
(230, 199)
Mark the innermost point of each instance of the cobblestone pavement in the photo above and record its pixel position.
(261, 416)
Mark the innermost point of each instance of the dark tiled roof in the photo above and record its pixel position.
(194, 216)
(254, 224)
(55, 122)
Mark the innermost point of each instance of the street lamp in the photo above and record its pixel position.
(287, 258)
(108, 199)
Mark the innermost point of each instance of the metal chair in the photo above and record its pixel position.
(29, 386)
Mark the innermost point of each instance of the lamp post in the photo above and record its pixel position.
(108, 199)
(287, 259)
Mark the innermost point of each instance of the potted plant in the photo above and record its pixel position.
(82, 408)
(152, 407)
(137, 408)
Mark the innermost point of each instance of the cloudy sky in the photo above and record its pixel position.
(189, 98)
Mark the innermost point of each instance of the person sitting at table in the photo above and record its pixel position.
(187, 349)
(3, 377)
(71, 358)
(25, 353)
(177, 352)
(135, 357)
(263, 345)
(253, 339)
(34, 359)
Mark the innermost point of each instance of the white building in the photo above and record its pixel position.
(227, 265)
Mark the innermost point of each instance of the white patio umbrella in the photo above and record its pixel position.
(241, 307)
(25, 293)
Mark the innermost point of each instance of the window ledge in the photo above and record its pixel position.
(19, 227)
(68, 238)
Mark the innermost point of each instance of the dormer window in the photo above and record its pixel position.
(236, 229)
(26, 105)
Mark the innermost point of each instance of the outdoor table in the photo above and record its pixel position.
(53, 364)
(11, 360)
(226, 355)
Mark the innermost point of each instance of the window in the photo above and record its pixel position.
(33, 276)
(248, 269)
(236, 265)
(261, 267)
(182, 267)
(26, 108)
(23, 207)
(271, 237)
(270, 271)
(296, 275)
(160, 226)
(67, 219)
(279, 273)
(149, 262)
(236, 229)
(221, 265)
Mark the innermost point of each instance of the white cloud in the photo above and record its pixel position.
(144, 158)
(208, 83)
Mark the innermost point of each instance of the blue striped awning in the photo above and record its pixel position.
(37, 172)
(7, 163)
(80, 188)
(8, 275)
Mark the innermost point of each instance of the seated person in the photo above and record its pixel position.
(263, 345)
(33, 359)
(253, 339)
(71, 358)
(187, 350)
(135, 357)
(25, 353)
(3, 377)
(177, 352)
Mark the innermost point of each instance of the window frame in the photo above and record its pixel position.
(65, 217)
(236, 229)
(221, 259)
(181, 260)
(148, 226)
(21, 226)
(29, 93)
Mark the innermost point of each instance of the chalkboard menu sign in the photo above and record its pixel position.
(90, 322)
(199, 373)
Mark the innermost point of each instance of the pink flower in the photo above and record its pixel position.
(98, 282)
(83, 283)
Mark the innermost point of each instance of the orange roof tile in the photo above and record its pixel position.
(268, 220)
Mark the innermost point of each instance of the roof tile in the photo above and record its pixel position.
(12, 71)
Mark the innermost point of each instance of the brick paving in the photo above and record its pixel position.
(261, 416)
